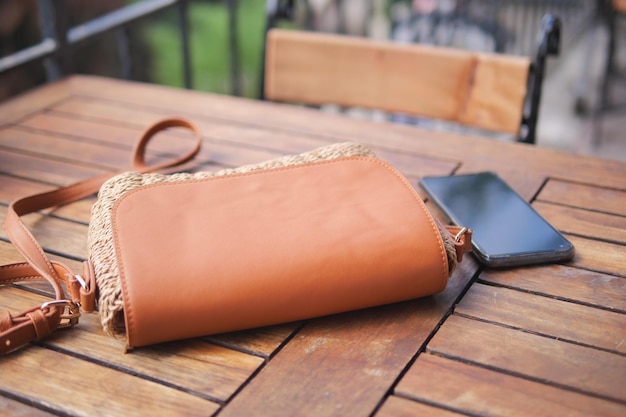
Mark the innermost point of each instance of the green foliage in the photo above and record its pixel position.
(209, 46)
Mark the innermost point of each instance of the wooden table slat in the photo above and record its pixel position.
(414, 165)
(548, 359)
(54, 234)
(585, 196)
(14, 408)
(594, 288)
(171, 142)
(123, 135)
(539, 314)
(9, 255)
(373, 349)
(485, 392)
(89, 389)
(401, 407)
(599, 256)
(44, 169)
(119, 136)
(545, 340)
(40, 144)
(263, 342)
(111, 112)
(585, 223)
(13, 188)
(294, 119)
(195, 366)
(40, 98)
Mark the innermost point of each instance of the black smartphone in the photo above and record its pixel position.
(507, 230)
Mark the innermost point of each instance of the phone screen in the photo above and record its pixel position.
(507, 230)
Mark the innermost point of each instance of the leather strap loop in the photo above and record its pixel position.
(462, 240)
(5, 321)
(138, 159)
(17, 330)
(42, 329)
(88, 292)
(27, 326)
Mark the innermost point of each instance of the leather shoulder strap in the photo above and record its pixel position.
(40, 321)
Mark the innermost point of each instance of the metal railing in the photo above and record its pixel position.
(508, 26)
(59, 40)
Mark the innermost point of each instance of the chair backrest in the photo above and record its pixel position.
(476, 89)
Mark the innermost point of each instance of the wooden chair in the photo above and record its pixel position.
(489, 91)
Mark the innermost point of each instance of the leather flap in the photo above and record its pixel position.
(236, 252)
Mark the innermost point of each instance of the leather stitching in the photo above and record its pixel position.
(119, 249)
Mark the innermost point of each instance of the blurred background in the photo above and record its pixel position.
(217, 46)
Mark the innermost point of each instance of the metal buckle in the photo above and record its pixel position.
(81, 281)
(457, 238)
(70, 314)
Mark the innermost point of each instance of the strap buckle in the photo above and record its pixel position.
(463, 242)
(70, 315)
(459, 235)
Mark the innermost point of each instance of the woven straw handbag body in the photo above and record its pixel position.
(185, 255)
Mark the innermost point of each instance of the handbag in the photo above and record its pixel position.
(175, 256)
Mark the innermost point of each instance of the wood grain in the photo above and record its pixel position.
(482, 153)
(585, 223)
(555, 318)
(347, 361)
(585, 196)
(599, 256)
(566, 283)
(272, 139)
(68, 150)
(40, 98)
(54, 234)
(476, 89)
(496, 93)
(44, 169)
(197, 367)
(9, 255)
(88, 389)
(416, 165)
(91, 152)
(262, 342)
(401, 407)
(547, 359)
(345, 364)
(13, 188)
(79, 211)
(321, 68)
(116, 113)
(122, 135)
(92, 110)
(479, 391)
(124, 132)
(13, 408)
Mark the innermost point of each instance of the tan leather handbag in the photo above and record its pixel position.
(185, 255)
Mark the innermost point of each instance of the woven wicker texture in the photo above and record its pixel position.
(101, 242)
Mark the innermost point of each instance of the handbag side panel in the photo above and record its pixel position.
(222, 254)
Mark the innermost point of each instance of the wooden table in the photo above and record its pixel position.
(547, 340)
